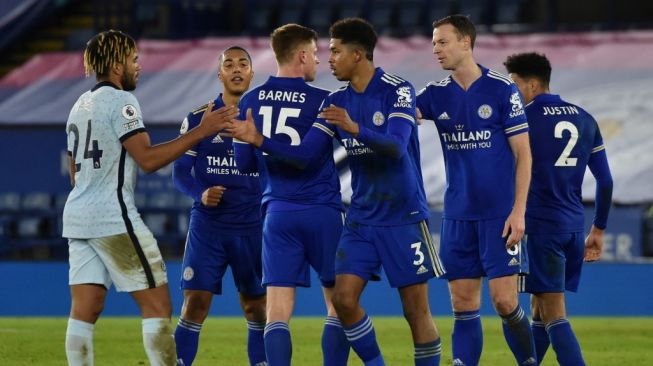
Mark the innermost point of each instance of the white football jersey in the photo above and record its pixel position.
(102, 201)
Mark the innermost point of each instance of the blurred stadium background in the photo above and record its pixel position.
(602, 56)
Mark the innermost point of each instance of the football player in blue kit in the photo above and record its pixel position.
(303, 211)
(373, 116)
(565, 139)
(225, 222)
(483, 132)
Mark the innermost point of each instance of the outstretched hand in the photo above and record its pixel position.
(215, 120)
(339, 117)
(245, 131)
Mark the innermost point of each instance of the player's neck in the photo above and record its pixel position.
(230, 99)
(362, 77)
(467, 73)
(290, 71)
(113, 80)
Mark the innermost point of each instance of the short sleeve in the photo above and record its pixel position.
(423, 103)
(402, 103)
(598, 140)
(514, 117)
(320, 123)
(127, 118)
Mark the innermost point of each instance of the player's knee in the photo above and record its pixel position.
(254, 310)
(505, 303)
(344, 303)
(415, 314)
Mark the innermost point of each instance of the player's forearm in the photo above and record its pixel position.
(245, 157)
(523, 164)
(392, 144)
(185, 182)
(159, 155)
(599, 167)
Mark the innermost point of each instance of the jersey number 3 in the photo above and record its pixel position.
(564, 159)
(94, 154)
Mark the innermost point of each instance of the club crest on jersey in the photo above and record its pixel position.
(184, 127)
(404, 99)
(189, 273)
(517, 107)
(378, 118)
(129, 112)
(485, 111)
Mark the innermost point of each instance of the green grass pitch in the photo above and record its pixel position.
(40, 341)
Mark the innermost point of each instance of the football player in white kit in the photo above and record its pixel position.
(108, 241)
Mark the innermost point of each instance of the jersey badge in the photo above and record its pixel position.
(189, 273)
(485, 111)
(184, 127)
(404, 99)
(129, 112)
(378, 118)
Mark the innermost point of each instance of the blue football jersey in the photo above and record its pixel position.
(213, 164)
(284, 110)
(386, 190)
(474, 127)
(563, 139)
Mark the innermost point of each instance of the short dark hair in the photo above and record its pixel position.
(355, 31)
(234, 48)
(530, 65)
(461, 23)
(106, 49)
(287, 38)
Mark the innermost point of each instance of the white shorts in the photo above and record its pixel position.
(132, 263)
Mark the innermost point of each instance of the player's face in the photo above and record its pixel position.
(235, 71)
(310, 60)
(131, 71)
(524, 87)
(448, 47)
(342, 60)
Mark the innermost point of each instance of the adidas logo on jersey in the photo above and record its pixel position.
(458, 362)
(443, 116)
(217, 140)
(422, 269)
(513, 262)
(530, 361)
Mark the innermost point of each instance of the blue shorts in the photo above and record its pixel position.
(208, 252)
(556, 262)
(406, 253)
(295, 240)
(473, 249)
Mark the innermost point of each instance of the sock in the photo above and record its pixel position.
(79, 343)
(519, 337)
(187, 336)
(541, 338)
(362, 339)
(278, 345)
(564, 343)
(159, 342)
(255, 344)
(467, 338)
(335, 346)
(428, 354)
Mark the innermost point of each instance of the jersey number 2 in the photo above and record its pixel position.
(564, 159)
(94, 154)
